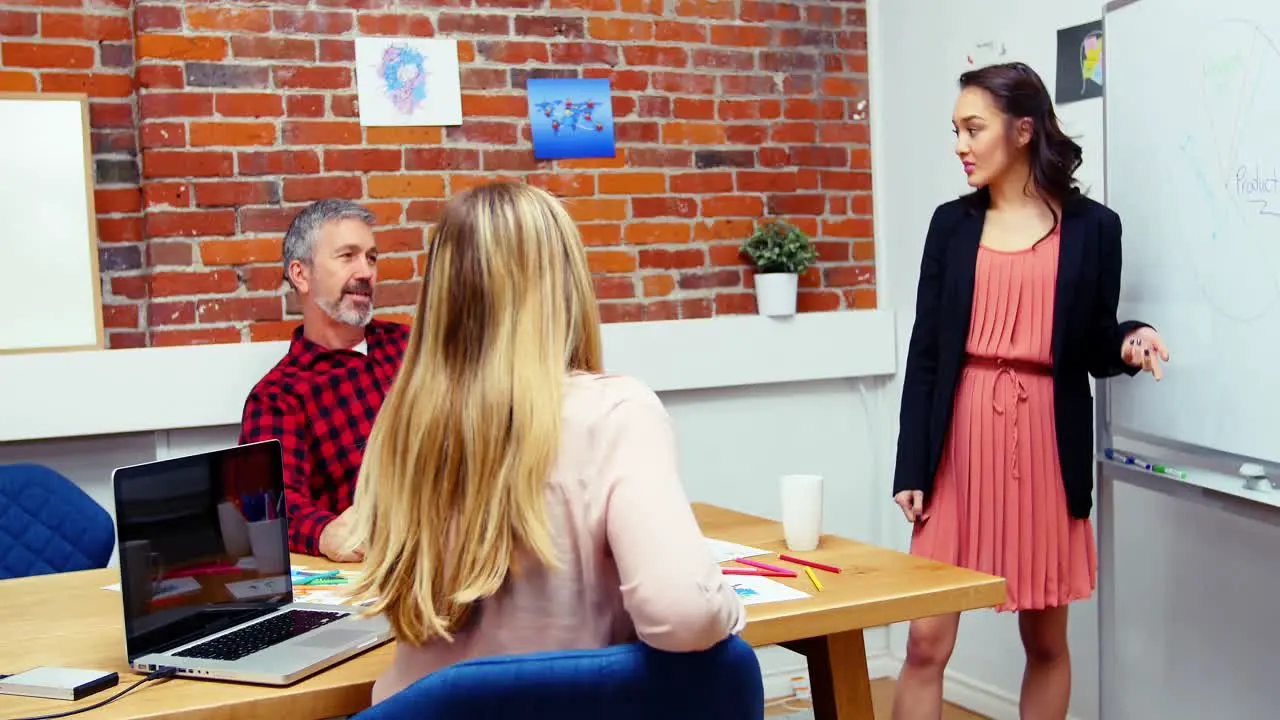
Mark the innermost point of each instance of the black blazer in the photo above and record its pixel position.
(1086, 337)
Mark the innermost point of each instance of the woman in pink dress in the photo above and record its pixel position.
(1016, 308)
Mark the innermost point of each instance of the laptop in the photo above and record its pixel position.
(205, 576)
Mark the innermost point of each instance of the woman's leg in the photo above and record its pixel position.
(1046, 683)
(919, 692)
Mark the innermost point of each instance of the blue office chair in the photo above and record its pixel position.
(622, 682)
(49, 525)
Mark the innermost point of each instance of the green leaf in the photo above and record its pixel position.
(779, 247)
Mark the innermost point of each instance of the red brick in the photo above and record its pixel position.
(162, 134)
(614, 287)
(306, 189)
(178, 104)
(612, 261)
(181, 47)
(161, 77)
(399, 239)
(695, 108)
(266, 220)
(636, 183)
(83, 26)
(395, 268)
(150, 18)
(702, 182)
(602, 28)
(232, 133)
(240, 252)
(322, 132)
(272, 331)
(18, 24)
(564, 185)
(108, 115)
(732, 206)
(366, 160)
(394, 24)
(513, 52)
(239, 309)
(257, 20)
(249, 104)
(713, 9)
(195, 336)
(17, 81)
(312, 22)
(306, 106)
(319, 78)
(273, 48)
(693, 133)
(468, 23)
(98, 85)
(170, 163)
(405, 186)
(46, 55)
(601, 233)
(119, 200)
(658, 233)
(278, 162)
(661, 259)
(180, 312)
(119, 229)
(190, 223)
(404, 135)
(169, 253)
(235, 194)
(593, 209)
(168, 284)
(441, 159)
(171, 194)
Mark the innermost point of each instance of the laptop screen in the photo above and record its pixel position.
(203, 544)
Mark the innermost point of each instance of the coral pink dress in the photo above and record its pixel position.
(998, 504)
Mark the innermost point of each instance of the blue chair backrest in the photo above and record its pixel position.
(622, 682)
(49, 525)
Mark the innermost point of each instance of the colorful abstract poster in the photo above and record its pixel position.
(571, 118)
(408, 81)
(1080, 63)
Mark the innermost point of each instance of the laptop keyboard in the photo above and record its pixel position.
(261, 635)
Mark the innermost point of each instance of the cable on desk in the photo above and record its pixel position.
(153, 675)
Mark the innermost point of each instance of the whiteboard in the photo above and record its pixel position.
(1192, 133)
(51, 292)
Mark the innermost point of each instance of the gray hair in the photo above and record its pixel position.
(300, 240)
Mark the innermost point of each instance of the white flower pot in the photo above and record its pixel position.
(776, 293)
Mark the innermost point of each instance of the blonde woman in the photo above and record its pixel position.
(512, 497)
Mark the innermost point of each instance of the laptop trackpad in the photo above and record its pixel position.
(332, 639)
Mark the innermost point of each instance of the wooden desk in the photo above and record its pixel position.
(69, 620)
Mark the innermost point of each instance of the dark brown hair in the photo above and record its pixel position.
(1020, 93)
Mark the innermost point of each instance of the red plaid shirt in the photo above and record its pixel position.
(321, 404)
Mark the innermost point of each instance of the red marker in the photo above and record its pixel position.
(810, 563)
(757, 573)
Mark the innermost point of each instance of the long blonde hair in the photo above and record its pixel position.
(452, 483)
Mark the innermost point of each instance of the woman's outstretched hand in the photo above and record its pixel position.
(912, 504)
(1144, 348)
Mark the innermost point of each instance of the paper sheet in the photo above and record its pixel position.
(754, 590)
(725, 551)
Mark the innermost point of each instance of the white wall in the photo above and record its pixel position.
(918, 49)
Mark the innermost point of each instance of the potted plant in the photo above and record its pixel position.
(780, 252)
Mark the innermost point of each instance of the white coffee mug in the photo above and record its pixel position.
(801, 511)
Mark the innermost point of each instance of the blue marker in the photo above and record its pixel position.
(1138, 462)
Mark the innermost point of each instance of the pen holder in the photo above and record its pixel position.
(270, 549)
(235, 532)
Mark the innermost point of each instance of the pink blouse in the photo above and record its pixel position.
(635, 564)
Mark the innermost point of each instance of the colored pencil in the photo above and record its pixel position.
(763, 566)
(813, 578)
(757, 573)
(810, 563)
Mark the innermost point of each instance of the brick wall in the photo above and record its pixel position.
(213, 122)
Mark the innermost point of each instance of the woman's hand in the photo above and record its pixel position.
(1144, 348)
(912, 504)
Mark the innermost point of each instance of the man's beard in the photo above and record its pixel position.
(358, 316)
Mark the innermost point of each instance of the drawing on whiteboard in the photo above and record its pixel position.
(1235, 160)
